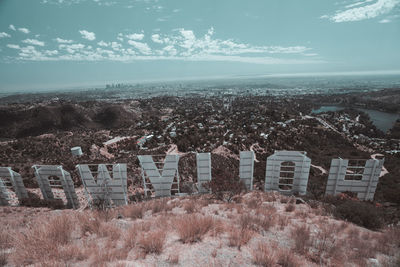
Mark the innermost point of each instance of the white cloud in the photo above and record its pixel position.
(358, 3)
(51, 52)
(12, 27)
(63, 41)
(142, 47)
(116, 46)
(4, 35)
(87, 35)
(170, 50)
(135, 36)
(156, 38)
(71, 48)
(120, 37)
(102, 43)
(71, 2)
(33, 42)
(384, 21)
(24, 30)
(13, 46)
(181, 44)
(363, 10)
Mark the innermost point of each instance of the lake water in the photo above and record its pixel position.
(382, 120)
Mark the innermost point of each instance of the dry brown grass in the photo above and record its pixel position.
(360, 249)
(5, 243)
(101, 256)
(152, 242)
(284, 199)
(134, 211)
(158, 205)
(218, 228)
(290, 207)
(283, 221)
(253, 203)
(173, 258)
(131, 237)
(325, 242)
(43, 240)
(301, 237)
(389, 241)
(247, 221)
(263, 255)
(109, 230)
(239, 237)
(192, 228)
(265, 222)
(89, 222)
(71, 252)
(189, 206)
(287, 259)
(269, 197)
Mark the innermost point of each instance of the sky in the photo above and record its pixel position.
(67, 43)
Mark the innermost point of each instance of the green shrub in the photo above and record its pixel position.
(360, 213)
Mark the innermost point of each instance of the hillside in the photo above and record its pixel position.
(256, 229)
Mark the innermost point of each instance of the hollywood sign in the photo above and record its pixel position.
(286, 172)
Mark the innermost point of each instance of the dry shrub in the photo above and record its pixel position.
(284, 199)
(343, 226)
(301, 237)
(239, 237)
(253, 203)
(325, 241)
(110, 231)
(189, 206)
(263, 255)
(158, 205)
(269, 197)
(71, 252)
(265, 222)
(353, 233)
(5, 243)
(89, 223)
(192, 228)
(287, 259)
(203, 202)
(42, 240)
(301, 214)
(130, 237)
(389, 241)
(101, 256)
(173, 258)
(247, 221)
(266, 210)
(134, 211)
(218, 228)
(152, 242)
(59, 229)
(360, 249)
(290, 207)
(283, 221)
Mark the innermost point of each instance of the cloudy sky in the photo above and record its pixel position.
(62, 43)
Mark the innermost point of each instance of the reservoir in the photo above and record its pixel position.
(382, 120)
